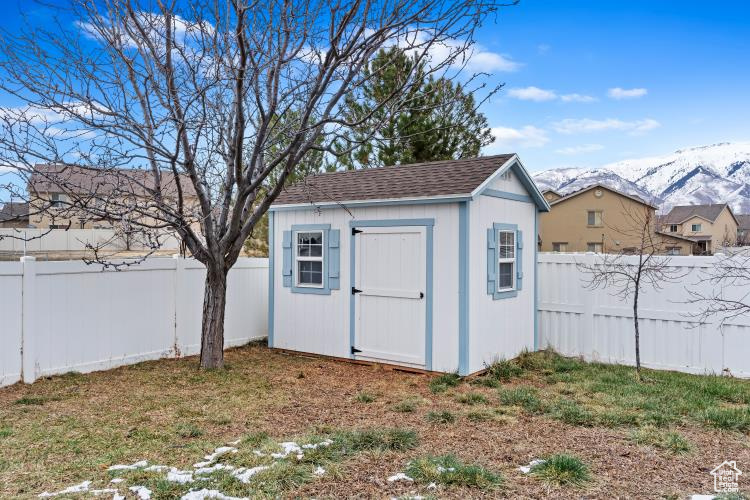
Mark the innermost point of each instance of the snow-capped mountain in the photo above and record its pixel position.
(708, 174)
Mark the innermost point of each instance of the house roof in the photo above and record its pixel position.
(601, 186)
(677, 236)
(744, 221)
(77, 179)
(681, 213)
(438, 179)
(14, 211)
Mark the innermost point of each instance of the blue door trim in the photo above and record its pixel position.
(428, 224)
(271, 251)
(463, 288)
(391, 222)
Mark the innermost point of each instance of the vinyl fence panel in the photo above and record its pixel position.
(598, 325)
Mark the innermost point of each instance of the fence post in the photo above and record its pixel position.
(179, 306)
(28, 320)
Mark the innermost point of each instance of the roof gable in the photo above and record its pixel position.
(681, 213)
(602, 186)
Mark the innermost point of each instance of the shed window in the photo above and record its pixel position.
(309, 261)
(506, 258)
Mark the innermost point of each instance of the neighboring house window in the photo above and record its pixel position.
(56, 200)
(695, 228)
(594, 218)
(506, 258)
(673, 228)
(309, 258)
(674, 251)
(629, 251)
(560, 247)
(595, 247)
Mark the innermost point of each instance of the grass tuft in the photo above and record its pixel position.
(189, 431)
(503, 370)
(442, 382)
(448, 470)
(365, 397)
(441, 417)
(670, 441)
(734, 419)
(380, 439)
(570, 412)
(407, 405)
(472, 398)
(525, 397)
(562, 470)
(31, 400)
(5, 432)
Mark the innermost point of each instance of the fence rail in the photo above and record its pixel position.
(598, 326)
(71, 240)
(57, 317)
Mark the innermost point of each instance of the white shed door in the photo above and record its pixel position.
(390, 306)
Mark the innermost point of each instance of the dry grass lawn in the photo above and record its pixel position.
(656, 439)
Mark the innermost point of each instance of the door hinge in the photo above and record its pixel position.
(421, 295)
(355, 291)
(355, 350)
(355, 231)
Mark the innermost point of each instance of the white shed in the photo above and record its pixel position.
(430, 266)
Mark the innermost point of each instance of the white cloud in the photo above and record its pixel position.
(621, 93)
(528, 136)
(532, 94)
(583, 125)
(484, 60)
(574, 150)
(577, 98)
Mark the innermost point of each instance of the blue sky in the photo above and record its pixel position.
(683, 68)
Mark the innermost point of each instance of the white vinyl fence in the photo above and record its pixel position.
(594, 324)
(63, 240)
(57, 317)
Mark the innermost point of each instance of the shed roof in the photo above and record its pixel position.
(417, 180)
(681, 213)
(438, 179)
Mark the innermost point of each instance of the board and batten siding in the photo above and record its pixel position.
(320, 323)
(499, 328)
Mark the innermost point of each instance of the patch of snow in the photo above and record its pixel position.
(399, 477)
(258, 453)
(117, 480)
(179, 476)
(141, 492)
(205, 493)
(235, 442)
(288, 447)
(442, 469)
(137, 465)
(209, 470)
(702, 497)
(78, 488)
(244, 475)
(431, 486)
(527, 468)
(209, 459)
(156, 468)
(118, 497)
(319, 471)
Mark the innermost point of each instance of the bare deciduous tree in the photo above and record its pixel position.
(729, 295)
(627, 275)
(174, 108)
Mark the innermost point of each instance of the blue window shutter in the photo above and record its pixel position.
(491, 260)
(519, 259)
(334, 253)
(286, 265)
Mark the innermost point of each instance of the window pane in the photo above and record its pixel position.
(310, 272)
(592, 219)
(310, 244)
(505, 275)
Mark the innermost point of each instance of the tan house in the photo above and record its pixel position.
(14, 214)
(551, 195)
(603, 220)
(59, 194)
(743, 232)
(710, 226)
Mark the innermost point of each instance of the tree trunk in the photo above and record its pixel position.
(637, 337)
(212, 332)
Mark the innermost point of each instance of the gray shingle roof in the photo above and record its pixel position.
(681, 213)
(419, 180)
(14, 211)
(744, 221)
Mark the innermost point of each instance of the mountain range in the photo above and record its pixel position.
(717, 173)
